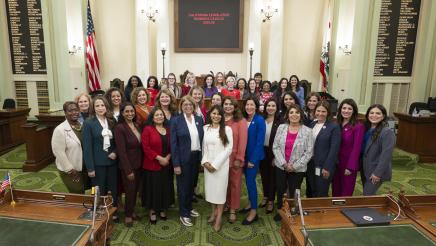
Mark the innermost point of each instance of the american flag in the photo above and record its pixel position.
(92, 64)
(5, 183)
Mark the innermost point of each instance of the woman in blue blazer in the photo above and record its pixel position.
(186, 133)
(99, 148)
(327, 140)
(254, 153)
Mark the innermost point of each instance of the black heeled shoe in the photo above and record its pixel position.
(153, 222)
(269, 208)
(249, 222)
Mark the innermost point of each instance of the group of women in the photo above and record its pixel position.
(137, 144)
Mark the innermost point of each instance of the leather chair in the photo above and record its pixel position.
(9, 103)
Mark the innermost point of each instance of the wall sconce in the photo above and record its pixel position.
(251, 50)
(345, 49)
(74, 50)
(268, 12)
(150, 13)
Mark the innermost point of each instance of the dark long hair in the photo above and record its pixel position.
(108, 96)
(213, 81)
(156, 82)
(237, 114)
(122, 107)
(312, 94)
(222, 130)
(129, 83)
(150, 121)
(109, 116)
(292, 94)
(353, 119)
(276, 114)
(380, 125)
(298, 82)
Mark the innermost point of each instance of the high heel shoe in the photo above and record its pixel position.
(163, 216)
(263, 203)
(232, 220)
(269, 208)
(153, 221)
(249, 222)
(216, 227)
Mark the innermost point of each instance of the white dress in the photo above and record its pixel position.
(214, 152)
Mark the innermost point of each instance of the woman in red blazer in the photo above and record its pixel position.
(128, 136)
(157, 193)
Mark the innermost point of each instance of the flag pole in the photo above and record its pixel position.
(12, 193)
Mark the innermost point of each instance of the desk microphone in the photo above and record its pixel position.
(94, 212)
(300, 209)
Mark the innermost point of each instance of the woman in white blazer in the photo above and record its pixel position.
(67, 148)
(292, 148)
(217, 147)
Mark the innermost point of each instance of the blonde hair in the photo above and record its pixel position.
(83, 94)
(190, 99)
(231, 78)
(193, 77)
(135, 93)
(196, 87)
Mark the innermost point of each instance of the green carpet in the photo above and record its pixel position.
(413, 177)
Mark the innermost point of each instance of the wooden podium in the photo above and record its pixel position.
(38, 140)
(11, 134)
(417, 135)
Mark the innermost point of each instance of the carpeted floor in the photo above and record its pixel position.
(415, 178)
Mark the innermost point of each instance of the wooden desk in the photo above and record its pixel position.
(38, 140)
(56, 207)
(11, 134)
(325, 214)
(417, 135)
(420, 208)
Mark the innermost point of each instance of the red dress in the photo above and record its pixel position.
(153, 93)
(233, 93)
(185, 90)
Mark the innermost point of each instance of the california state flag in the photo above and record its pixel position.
(324, 61)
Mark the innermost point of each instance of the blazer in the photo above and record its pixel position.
(301, 151)
(128, 148)
(66, 148)
(377, 157)
(239, 132)
(269, 151)
(254, 152)
(351, 145)
(93, 152)
(326, 146)
(152, 147)
(181, 139)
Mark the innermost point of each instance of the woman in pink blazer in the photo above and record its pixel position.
(352, 132)
(233, 118)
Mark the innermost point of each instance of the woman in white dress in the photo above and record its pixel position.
(217, 147)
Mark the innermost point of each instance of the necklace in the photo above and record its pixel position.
(76, 127)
